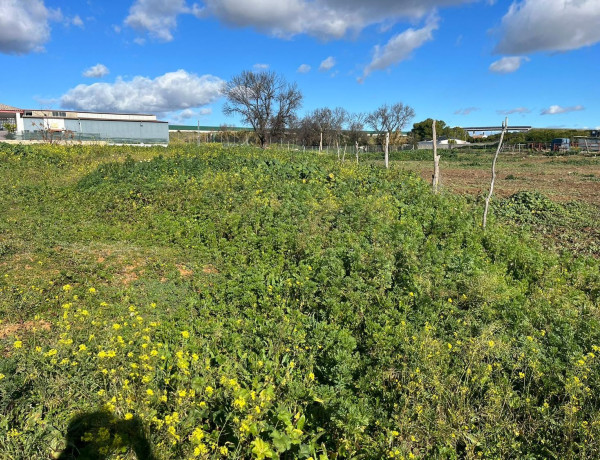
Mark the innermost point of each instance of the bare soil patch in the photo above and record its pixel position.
(560, 178)
(12, 329)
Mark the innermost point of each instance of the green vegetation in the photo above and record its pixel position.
(572, 226)
(423, 131)
(538, 135)
(239, 303)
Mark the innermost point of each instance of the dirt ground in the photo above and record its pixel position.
(560, 178)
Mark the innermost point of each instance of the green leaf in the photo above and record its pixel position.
(301, 421)
(281, 441)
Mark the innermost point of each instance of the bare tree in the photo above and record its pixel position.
(338, 120)
(390, 120)
(264, 100)
(356, 130)
(321, 120)
(325, 124)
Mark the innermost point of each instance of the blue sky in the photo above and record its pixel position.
(466, 62)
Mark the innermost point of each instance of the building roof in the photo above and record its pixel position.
(8, 108)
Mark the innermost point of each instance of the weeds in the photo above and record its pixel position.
(236, 303)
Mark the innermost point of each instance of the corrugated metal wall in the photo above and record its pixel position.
(105, 130)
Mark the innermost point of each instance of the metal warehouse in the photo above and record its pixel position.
(82, 126)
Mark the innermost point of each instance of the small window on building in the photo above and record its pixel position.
(59, 114)
(28, 114)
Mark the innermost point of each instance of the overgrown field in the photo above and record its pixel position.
(234, 303)
(557, 197)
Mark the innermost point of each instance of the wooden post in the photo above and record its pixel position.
(489, 197)
(321, 143)
(387, 145)
(356, 147)
(436, 161)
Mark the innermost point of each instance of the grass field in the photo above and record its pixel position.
(202, 302)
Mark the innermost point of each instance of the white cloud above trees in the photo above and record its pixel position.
(466, 111)
(557, 109)
(96, 71)
(321, 18)
(508, 64)
(325, 19)
(400, 47)
(521, 110)
(549, 25)
(327, 64)
(170, 92)
(158, 17)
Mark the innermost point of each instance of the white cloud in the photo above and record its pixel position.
(466, 111)
(188, 114)
(325, 19)
(23, 26)
(327, 64)
(304, 68)
(76, 21)
(259, 67)
(321, 18)
(507, 64)
(557, 109)
(401, 46)
(521, 110)
(169, 92)
(157, 17)
(549, 25)
(97, 71)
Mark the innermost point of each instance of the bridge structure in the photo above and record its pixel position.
(474, 129)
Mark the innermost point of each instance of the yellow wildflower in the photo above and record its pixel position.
(239, 403)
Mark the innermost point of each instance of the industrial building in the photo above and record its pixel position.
(118, 128)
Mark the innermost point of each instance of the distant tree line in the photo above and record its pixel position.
(537, 136)
(269, 104)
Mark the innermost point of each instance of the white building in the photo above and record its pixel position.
(84, 126)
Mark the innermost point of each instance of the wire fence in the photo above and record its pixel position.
(66, 136)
